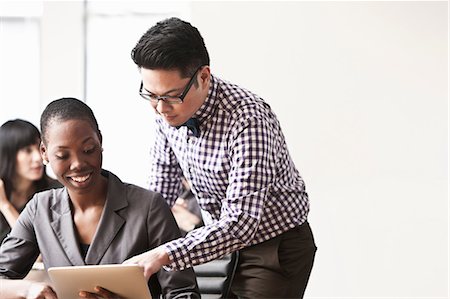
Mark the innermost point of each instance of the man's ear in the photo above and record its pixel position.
(205, 77)
(205, 74)
(43, 151)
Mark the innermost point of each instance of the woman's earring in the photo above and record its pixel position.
(45, 162)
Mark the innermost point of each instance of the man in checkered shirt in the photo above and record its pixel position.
(228, 144)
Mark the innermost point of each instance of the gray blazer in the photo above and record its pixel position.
(134, 220)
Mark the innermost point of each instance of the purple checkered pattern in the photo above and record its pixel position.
(240, 172)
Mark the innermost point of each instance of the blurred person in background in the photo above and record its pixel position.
(186, 210)
(22, 172)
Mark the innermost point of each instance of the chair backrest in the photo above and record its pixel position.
(214, 278)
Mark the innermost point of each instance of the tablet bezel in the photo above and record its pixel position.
(127, 281)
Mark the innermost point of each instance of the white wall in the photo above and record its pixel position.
(19, 63)
(126, 120)
(361, 90)
(41, 56)
(62, 50)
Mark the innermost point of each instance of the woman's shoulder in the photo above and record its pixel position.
(50, 195)
(133, 192)
(53, 184)
(138, 193)
(48, 183)
(45, 201)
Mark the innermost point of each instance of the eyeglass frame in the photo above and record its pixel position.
(154, 99)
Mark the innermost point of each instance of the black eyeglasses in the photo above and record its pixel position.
(154, 99)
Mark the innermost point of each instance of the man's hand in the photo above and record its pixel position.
(151, 260)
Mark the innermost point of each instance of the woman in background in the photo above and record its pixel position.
(186, 210)
(21, 170)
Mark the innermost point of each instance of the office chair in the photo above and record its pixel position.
(214, 278)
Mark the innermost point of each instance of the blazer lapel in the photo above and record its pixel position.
(110, 221)
(62, 226)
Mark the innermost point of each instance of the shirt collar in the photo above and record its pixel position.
(209, 105)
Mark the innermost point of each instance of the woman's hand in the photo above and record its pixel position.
(3, 199)
(99, 293)
(185, 219)
(6, 208)
(39, 290)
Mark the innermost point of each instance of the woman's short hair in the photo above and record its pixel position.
(67, 109)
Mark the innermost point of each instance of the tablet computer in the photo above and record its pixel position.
(127, 281)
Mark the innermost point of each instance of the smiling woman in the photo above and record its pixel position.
(89, 221)
(73, 148)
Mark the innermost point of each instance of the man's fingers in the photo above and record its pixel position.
(151, 261)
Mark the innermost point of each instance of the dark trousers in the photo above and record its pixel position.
(277, 268)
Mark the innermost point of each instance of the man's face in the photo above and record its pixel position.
(170, 83)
